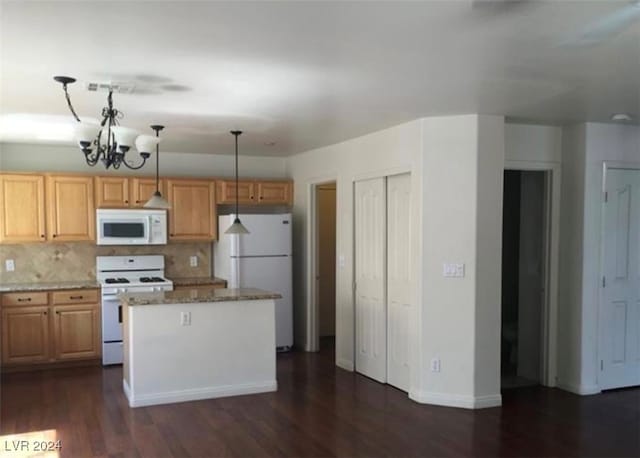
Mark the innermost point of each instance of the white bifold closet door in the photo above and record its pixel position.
(383, 278)
(370, 277)
(619, 321)
(399, 288)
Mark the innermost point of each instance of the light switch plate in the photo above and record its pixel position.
(10, 265)
(435, 365)
(453, 270)
(193, 261)
(185, 318)
(341, 261)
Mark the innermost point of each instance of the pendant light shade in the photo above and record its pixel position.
(156, 201)
(237, 227)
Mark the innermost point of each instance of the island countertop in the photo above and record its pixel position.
(197, 296)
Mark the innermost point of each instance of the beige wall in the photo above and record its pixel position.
(77, 261)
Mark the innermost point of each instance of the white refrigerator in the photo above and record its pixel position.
(260, 259)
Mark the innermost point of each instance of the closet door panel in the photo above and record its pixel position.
(370, 267)
(399, 287)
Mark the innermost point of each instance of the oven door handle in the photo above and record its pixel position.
(149, 223)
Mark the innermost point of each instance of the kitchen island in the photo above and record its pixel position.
(198, 344)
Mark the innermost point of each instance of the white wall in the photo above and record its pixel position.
(456, 165)
(462, 223)
(490, 177)
(390, 151)
(532, 143)
(64, 158)
(585, 148)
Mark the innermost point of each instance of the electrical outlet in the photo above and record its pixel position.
(193, 261)
(10, 265)
(185, 318)
(435, 365)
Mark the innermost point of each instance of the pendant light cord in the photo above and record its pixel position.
(236, 135)
(157, 163)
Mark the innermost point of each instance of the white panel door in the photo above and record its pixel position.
(620, 306)
(399, 288)
(370, 266)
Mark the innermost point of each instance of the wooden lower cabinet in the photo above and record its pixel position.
(34, 335)
(76, 331)
(25, 335)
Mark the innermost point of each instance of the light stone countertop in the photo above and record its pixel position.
(47, 286)
(196, 296)
(197, 281)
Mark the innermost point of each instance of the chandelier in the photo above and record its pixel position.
(108, 141)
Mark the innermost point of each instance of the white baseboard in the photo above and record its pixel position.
(345, 364)
(169, 397)
(583, 390)
(452, 400)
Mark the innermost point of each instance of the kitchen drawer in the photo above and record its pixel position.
(26, 298)
(77, 296)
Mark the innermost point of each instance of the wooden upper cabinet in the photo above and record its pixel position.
(227, 192)
(142, 189)
(193, 213)
(25, 335)
(112, 192)
(70, 208)
(275, 192)
(22, 214)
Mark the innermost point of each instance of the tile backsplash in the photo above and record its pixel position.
(77, 261)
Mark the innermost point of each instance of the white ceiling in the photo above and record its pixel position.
(308, 74)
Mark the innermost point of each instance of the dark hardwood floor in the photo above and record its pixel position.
(319, 410)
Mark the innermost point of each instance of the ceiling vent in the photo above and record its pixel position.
(118, 88)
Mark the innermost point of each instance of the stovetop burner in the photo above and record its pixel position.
(152, 280)
(116, 280)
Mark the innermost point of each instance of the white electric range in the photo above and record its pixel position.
(124, 274)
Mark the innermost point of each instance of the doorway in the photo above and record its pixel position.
(525, 257)
(326, 263)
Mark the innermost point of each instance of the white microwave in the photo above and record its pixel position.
(131, 227)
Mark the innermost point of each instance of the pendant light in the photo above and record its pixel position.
(236, 227)
(156, 200)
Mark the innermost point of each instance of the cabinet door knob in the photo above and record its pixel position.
(126, 201)
(42, 236)
(45, 312)
(138, 201)
(55, 235)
